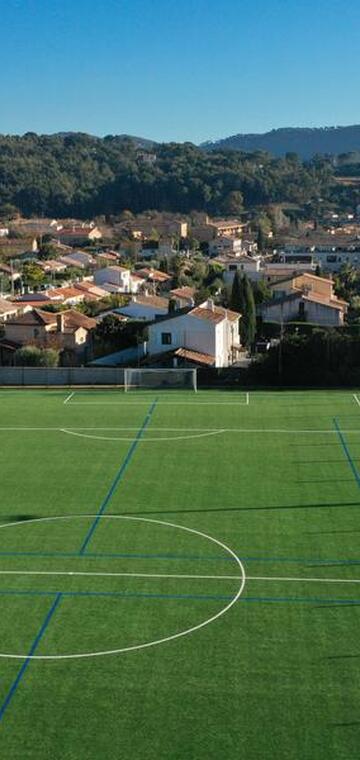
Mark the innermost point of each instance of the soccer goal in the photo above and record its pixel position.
(160, 379)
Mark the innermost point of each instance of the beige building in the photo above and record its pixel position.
(306, 298)
(64, 330)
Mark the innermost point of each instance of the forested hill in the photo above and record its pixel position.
(303, 141)
(83, 176)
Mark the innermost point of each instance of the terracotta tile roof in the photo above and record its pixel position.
(154, 274)
(34, 317)
(64, 293)
(7, 306)
(214, 314)
(157, 301)
(208, 314)
(74, 319)
(195, 356)
(185, 292)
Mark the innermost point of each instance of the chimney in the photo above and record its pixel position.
(210, 304)
(60, 322)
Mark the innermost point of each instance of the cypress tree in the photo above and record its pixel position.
(237, 294)
(250, 311)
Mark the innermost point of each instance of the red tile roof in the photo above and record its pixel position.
(195, 356)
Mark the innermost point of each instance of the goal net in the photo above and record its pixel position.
(160, 379)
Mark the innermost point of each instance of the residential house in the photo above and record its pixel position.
(114, 279)
(78, 259)
(206, 335)
(249, 265)
(67, 330)
(78, 235)
(225, 245)
(91, 291)
(145, 307)
(330, 257)
(206, 229)
(273, 271)
(142, 229)
(9, 309)
(154, 276)
(52, 266)
(68, 295)
(306, 298)
(183, 296)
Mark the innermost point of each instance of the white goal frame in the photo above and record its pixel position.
(131, 372)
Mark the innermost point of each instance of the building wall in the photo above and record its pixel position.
(289, 311)
(215, 339)
(318, 285)
(24, 333)
(119, 277)
(186, 332)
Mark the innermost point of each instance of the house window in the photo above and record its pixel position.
(301, 309)
(166, 339)
(232, 267)
(36, 332)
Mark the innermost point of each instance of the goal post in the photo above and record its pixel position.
(160, 379)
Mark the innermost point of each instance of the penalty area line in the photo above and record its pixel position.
(69, 397)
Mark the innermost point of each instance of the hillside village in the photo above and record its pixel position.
(161, 289)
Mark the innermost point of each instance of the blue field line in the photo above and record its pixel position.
(119, 476)
(26, 662)
(345, 448)
(197, 597)
(299, 599)
(194, 557)
(122, 594)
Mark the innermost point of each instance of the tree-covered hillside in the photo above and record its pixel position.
(83, 176)
(304, 141)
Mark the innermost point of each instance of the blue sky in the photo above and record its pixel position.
(185, 70)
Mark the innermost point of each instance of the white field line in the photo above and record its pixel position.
(69, 397)
(247, 397)
(177, 576)
(355, 396)
(147, 439)
(186, 430)
(122, 575)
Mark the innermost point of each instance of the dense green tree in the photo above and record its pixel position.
(32, 356)
(32, 274)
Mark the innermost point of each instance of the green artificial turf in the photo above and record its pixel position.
(159, 491)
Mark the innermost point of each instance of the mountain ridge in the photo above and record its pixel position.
(305, 141)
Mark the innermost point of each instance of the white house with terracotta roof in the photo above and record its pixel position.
(183, 296)
(207, 335)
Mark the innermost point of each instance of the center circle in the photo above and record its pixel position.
(162, 640)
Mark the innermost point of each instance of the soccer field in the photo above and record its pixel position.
(179, 575)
